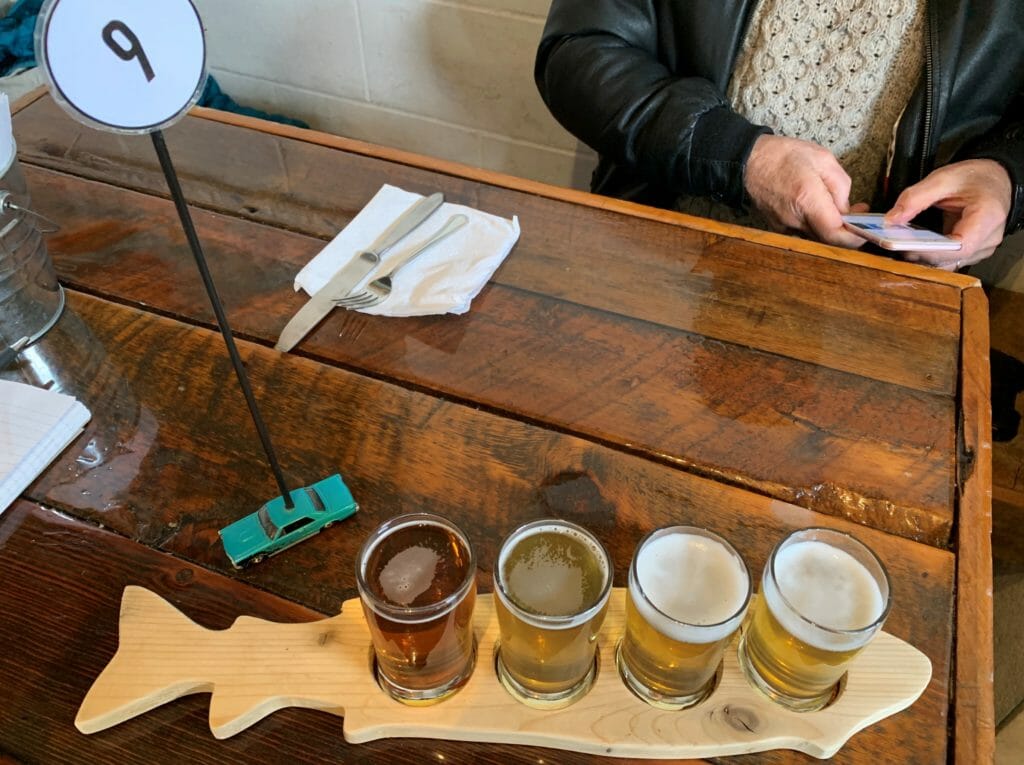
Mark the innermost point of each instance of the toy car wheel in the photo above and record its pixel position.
(257, 559)
(327, 525)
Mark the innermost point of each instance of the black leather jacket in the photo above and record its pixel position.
(643, 83)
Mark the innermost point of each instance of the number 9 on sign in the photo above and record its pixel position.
(128, 66)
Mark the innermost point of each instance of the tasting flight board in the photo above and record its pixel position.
(256, 667)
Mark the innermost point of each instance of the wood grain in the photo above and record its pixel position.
(30, 98)
(764, 291)
(493, 178)
(401, 447)
(169, 458)
(975, 714)
(851, 446)
(257, 667)
(842, 349)
(63, 585)
(61, 595)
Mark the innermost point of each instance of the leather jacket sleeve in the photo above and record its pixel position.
(1004, 143)
(598, 70)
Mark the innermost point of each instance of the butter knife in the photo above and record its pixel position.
(318, 306)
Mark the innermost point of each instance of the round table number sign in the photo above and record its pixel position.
(128, 66)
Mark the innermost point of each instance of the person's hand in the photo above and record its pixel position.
(800, 186)
(974, 196)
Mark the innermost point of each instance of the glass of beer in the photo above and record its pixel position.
(688, 593)
(417, 583)
(552, 584)
(824, 595)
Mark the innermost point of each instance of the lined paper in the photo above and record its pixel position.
(35, 426)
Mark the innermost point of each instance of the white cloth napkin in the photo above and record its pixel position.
(444, 279)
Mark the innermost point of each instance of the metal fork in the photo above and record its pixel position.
(379, 289)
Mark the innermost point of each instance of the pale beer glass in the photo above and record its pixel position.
(417, 583)
(823, 597)
(688, 593)
(551, 585)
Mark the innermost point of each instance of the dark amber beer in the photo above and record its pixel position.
(417, 583)
(552, 584)
(824, 595)
(688, 592)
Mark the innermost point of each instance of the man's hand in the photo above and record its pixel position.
(800, 186)
(974, 196)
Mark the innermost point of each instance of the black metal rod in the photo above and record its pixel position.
(218, 309)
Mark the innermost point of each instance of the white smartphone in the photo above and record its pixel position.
(872, 227)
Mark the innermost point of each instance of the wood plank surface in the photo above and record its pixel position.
(975, 735)
(901, 327)
(573, 196)
(778, 369)
(874, 452)
(169, 458)
(62, 598)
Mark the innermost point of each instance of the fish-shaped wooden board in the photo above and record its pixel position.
(256, 667)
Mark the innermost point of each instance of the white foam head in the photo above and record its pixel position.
(690, 587)
(830, 589)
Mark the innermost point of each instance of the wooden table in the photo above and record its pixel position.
(626, 368)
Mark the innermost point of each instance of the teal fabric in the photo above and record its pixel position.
(17, 48)
(17, 52)
(215, 98)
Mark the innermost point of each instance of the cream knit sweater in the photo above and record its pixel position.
(838, 73)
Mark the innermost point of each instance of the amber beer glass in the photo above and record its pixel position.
(552, 584)
(688, 592)
(417, 582)
(824, 595)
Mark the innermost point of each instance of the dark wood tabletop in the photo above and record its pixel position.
(625, 368)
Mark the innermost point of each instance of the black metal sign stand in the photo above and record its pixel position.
(218, 309)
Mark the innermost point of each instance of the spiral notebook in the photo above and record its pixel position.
(35, 426)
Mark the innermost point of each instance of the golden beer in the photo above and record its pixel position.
(417, 585)
(552, 584)
(824, 595)
(688, 593)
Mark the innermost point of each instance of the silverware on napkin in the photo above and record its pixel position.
(318, 306)
(379, 289)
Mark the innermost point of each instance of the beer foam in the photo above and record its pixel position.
(563, 584)
(409, 574)
(829, 587)
(410, 567)
(693, 585)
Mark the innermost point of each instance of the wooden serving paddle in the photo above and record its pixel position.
(256, 667)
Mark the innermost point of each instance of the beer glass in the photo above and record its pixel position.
(551, 586)
(824, 595)
(688, 592)
(417, 583)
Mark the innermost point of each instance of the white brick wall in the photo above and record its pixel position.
(448, 78)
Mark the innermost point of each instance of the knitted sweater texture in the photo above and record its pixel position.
(838, 73)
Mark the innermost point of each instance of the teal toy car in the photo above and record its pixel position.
(274, 527)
